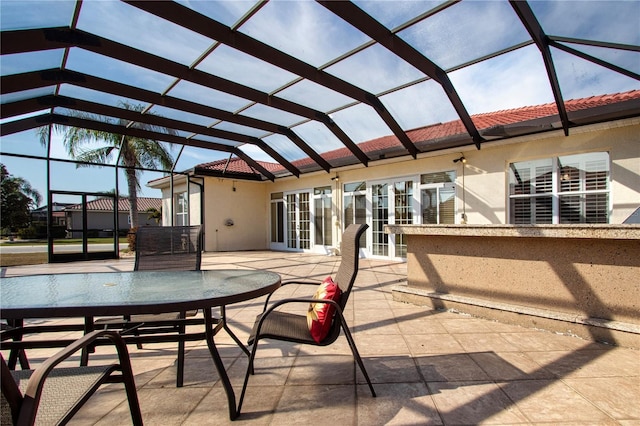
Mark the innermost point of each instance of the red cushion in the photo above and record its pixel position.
(319, 315)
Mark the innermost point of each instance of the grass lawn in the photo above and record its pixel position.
(18, 259)
(64, 241)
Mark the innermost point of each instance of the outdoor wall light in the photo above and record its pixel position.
(464, 202)
(336, 178)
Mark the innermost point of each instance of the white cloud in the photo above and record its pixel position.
(513, 80)
(303, 29)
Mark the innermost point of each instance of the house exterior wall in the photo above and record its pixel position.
(236, 219)
(486, 171)
(168, 204)
(244, 206)
(485, 189)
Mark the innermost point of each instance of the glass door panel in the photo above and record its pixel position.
(277, 221)
(355, 208)
(403, 213)
(298, 220)
(322, 217)
(380, 217)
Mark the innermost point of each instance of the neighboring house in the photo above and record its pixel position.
(537, 175)
(59, 216)
(100, 217)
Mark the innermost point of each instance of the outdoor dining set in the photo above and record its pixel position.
(167, 298)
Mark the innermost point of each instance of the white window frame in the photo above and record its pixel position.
(439, 186)
(182, 209)
(556, 193)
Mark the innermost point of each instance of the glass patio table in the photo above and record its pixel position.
(140, 292)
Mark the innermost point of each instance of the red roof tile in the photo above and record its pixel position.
(438, 131)
(237, 165)
(106, 204)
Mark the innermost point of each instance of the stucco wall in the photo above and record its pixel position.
(591, 278)
(245, 206)
(558, 277)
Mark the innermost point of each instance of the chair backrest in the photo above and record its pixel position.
(350, 252)
(175, 248)
(11, 398)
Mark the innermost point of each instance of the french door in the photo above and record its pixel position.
(322, 219)
(298, 217)
(392, 202)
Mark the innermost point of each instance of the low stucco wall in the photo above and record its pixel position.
(588, 275)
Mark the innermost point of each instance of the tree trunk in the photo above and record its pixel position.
(133, 197)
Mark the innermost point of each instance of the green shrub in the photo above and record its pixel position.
(28, 233)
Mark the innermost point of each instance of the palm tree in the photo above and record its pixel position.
(155, 214)
(134, 152)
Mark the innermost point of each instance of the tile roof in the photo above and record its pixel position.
(106, 204)
(237, 165)
(434, 132)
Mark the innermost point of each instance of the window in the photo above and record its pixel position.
(568, 189)
(182, 209)
(438, 196)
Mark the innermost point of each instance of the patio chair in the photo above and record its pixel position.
(163, 248)
(53, 395)
(277, 324)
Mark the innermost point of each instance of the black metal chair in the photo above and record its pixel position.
(163, 248)
(53, 395)
(280, 325)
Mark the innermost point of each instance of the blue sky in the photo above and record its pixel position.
(308, 31)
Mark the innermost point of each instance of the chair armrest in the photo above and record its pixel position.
(266, 302)
(40, 374)
(300, 282)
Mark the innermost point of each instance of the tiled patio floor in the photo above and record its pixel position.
(428, 367)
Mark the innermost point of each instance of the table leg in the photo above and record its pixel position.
(223, 314)
(84, 355)
(17, 354)
(222, 372)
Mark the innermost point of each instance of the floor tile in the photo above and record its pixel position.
(397, 404)
(467, 403)
(421, 344)
(390, 369)
(549, 401)
(450, 368)
(617, 396)
(308, 404)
